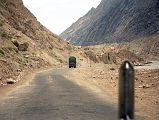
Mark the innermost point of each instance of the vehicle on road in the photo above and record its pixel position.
(72, 62)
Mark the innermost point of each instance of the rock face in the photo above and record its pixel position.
(115, 21)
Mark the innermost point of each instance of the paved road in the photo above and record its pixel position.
(150, 66)
(50, 96)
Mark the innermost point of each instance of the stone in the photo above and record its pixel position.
(23, 47)
(140, 86)
(112, 68)
(10, 81)
(15, 43)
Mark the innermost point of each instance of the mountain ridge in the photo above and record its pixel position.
(115, 21)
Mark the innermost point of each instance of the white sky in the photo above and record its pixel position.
(58, 15)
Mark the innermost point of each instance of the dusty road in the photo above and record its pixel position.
(51, 96)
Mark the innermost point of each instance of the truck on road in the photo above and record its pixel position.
(72, 62)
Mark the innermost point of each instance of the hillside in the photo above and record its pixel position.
(115, 21)
(25, 44)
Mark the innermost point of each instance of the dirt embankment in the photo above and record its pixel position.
(106, 78)
(25, 44)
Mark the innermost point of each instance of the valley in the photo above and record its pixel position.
(35, 78)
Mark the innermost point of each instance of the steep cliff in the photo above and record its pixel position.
(115, 21)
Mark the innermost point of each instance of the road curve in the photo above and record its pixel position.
(50, 96)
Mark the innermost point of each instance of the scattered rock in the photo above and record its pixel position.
(112, 68)
(144, 86)
(15, 43)
(11, 81)
(3, 84)
(140, 86)
(136, 78)
(3, 60)
(27, 56)
(23, 47)
(149, 76)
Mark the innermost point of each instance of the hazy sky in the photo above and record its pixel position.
(57, 15)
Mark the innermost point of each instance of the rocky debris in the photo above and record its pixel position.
(10, 81)
(112, 68)
(15, 43)
(109, 58)
(23, 46)
(144, 86)
(3, 84)
(114, 57)
(91, 56)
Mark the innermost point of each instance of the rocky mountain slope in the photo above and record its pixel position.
(25, 44)
(115, 21)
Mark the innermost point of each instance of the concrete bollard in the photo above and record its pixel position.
(126, 91)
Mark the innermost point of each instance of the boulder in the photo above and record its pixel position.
(10, 81)
(15, 43)
(23, 47)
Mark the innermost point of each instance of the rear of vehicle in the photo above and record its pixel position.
(72, 62)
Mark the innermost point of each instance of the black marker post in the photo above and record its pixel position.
(126, 91)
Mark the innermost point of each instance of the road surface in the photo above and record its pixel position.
(150, 66)
(51, 96)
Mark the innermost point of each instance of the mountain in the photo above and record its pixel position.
(115, 21)
(25, 44)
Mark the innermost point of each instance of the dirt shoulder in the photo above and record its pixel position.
(25, 78)
(105, 77)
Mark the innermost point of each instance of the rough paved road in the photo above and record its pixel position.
(50, 96)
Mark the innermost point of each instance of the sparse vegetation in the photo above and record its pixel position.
(1, 21)
(5, 35)
(14, 49)
(1, 52)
